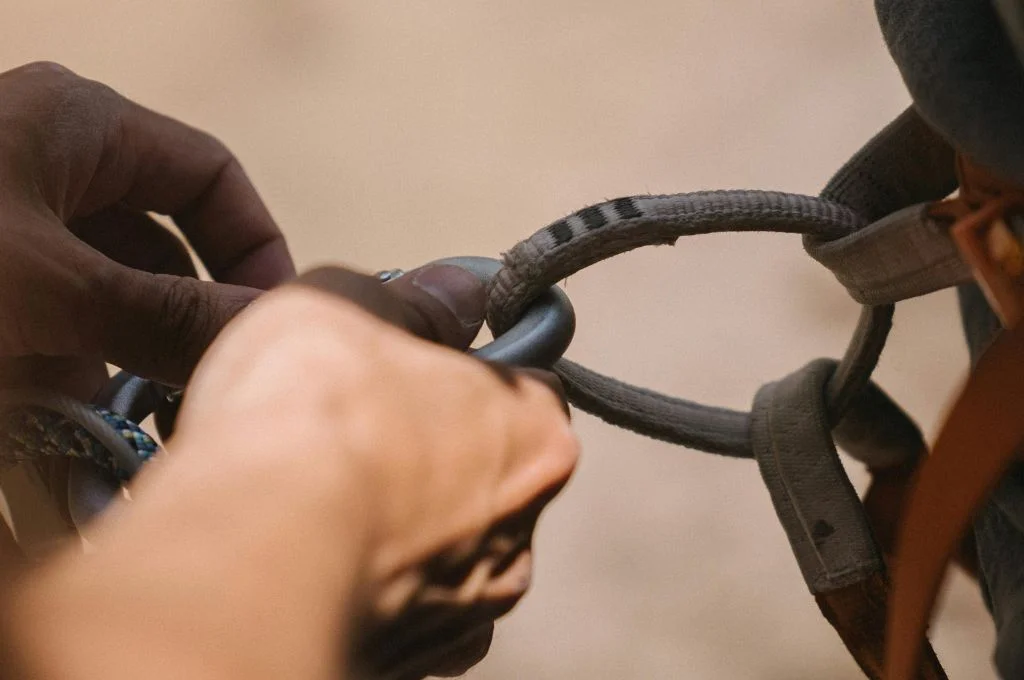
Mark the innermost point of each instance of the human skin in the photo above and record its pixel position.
(285, 515)
(333, 436)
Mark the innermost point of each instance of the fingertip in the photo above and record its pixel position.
(440, 303)
(446, 302)
(456, 288)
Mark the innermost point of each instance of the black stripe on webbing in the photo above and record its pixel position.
(592, 217)
(626, 208)
(561, 232)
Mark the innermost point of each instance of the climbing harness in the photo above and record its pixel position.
(889, 227)
(872, 206)
(875, 226)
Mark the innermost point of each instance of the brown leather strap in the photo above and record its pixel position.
(884, 504)
(983, 431)
(978, 441)
(857, 612)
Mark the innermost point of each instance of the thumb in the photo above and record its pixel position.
(158, 325)
(440, 303)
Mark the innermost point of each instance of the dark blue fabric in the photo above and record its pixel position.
(963, 73)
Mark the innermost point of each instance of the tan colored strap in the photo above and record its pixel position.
(978, 441)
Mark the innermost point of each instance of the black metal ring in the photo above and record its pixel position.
(541, 335)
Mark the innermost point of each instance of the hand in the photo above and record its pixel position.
(426, 616)
(328, 471)
(87, 276)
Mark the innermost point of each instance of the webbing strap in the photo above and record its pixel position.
(904, 164)
(607, 229)
(724, 431)
(821, 513)
(812, 495)
(902, 255)
(907, 162)
(877, 432)
(656, 415)
(897, 256)
(615, 227)
(977, 443)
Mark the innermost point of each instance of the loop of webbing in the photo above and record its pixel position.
(902, 165)
(612, 228)
(656, 415)
(615, 227)
(905, 163)
(569, 245)
(823, 518)
(816, 504)
(900, 256)
(727, 432)
(877, 432)
(858, 363)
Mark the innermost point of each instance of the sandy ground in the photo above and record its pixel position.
(386, 134)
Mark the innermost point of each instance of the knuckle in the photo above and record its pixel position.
(85, 281)
(185, 315)
(55, 85)
(218, 151)
(45, 69)
(79, 102)
(51, 109)
(559, 441)
(569, 448)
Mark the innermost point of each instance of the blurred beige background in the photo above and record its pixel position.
(386, 134)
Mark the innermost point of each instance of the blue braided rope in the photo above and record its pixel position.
(30, 432)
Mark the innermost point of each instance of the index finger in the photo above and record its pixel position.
(167, 167)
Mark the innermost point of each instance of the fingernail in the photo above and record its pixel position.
(457, 289)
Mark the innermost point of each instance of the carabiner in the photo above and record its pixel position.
(538, 339)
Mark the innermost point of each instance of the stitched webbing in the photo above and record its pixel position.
(615, 227)
(812, 495)
(905, 163)
(832, 231)
(601, 231)
(797, 421)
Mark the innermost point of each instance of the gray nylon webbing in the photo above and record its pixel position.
(615, 227)
(877, 432)
(902, 255)
(816, 504)
(904, 164)
(854, 371)
(670, 419)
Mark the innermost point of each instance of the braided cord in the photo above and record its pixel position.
(29, 432)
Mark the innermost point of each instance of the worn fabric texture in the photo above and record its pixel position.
(818, 507)
(961, 45)
(903, 255)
